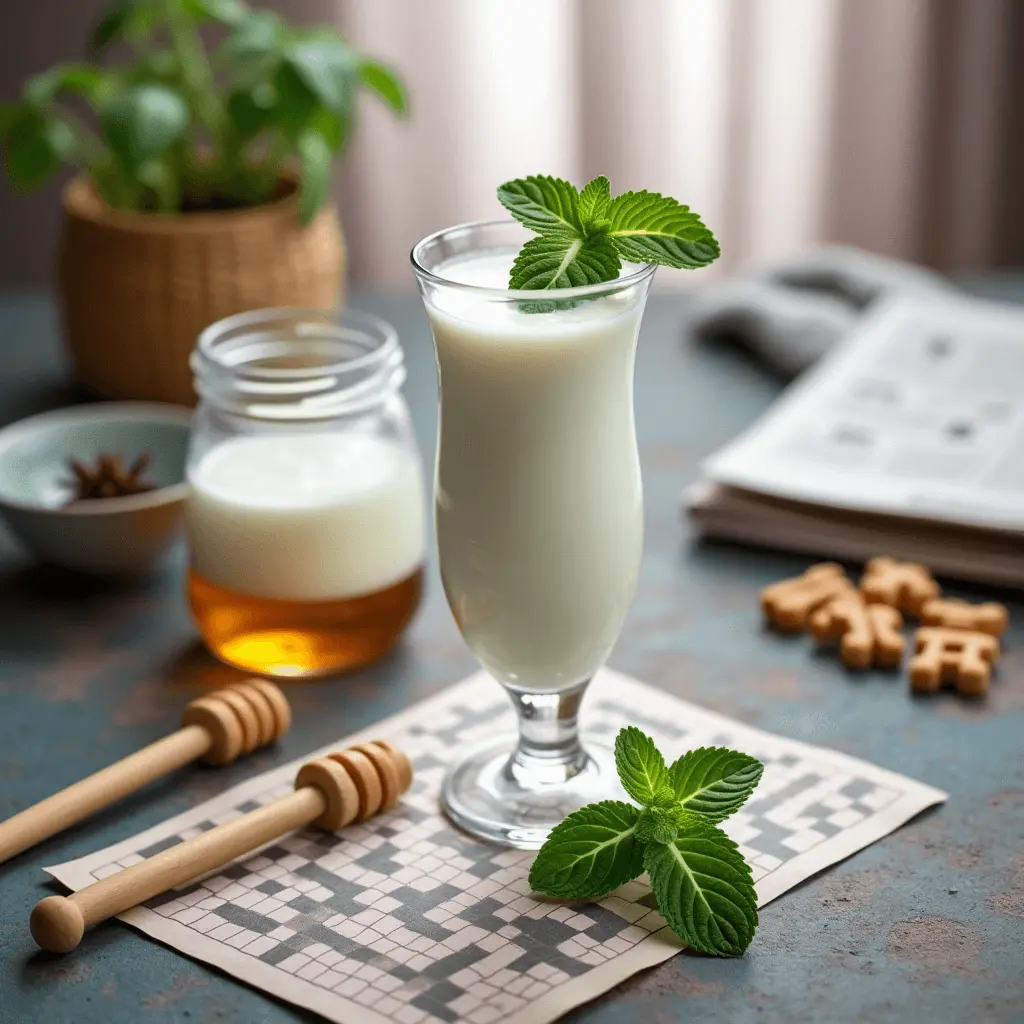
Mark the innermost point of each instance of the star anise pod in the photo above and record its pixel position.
(109, 478)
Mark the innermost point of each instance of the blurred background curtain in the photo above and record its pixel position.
(889, 124)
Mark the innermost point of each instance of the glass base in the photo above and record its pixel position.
(495, 797)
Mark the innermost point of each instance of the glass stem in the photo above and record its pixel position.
(549, 747)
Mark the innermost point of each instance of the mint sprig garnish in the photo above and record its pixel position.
(584, 236)
(640, 765)
(702, 883)
(543, 262)
(704, 888)
(590, 853)
(714, 781)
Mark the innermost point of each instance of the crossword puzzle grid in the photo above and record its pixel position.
(420, 923)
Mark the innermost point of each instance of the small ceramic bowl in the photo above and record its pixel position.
(125, 536)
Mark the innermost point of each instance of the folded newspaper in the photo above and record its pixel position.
(907, 439)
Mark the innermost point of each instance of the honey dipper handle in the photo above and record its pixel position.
(104, 787)
(57, 922)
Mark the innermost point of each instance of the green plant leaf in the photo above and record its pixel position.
(640, 764)
(543, 204)
(380, 79)
(331, 127)
(657, 825)
(296, 102)
(254, 42)
(143, 121)
(158, 176)
(590, 853)
(595, 200)
(9, 113)
(85, 79)
(128, 18)
(251, 110)
(227, 12)
(35, 145)
(647, 227)
(563, 260)
(704, 888)
(315, 164)
(159, 66)
(714, 781)
(329, 68)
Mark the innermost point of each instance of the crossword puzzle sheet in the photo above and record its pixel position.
(406, 920)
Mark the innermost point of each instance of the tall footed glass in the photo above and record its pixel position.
(539, 511)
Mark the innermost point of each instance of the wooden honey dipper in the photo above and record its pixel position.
(330, 792)
(216, 728)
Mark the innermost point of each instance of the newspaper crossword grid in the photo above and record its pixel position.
(407, 920)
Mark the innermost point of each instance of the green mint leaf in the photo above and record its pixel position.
(640, 764)
(561, 259)
(714, 781)
(590, 853)
(543, 204)
(657, 825)
(665, 796)
(704, 888)
(595, 200)
(647, 227)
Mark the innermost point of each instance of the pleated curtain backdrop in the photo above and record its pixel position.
(891, 124)
(882, 123)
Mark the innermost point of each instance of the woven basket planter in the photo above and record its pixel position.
(138, 288)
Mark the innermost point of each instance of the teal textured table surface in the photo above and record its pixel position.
(924, 925)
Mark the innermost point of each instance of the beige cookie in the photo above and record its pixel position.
(964, 657)
(789, 603)
(990, 617)
(904, 585)
(868, 634)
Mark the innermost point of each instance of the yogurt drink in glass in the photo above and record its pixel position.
(539, 511)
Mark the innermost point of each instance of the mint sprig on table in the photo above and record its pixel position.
(702, 883)
(583, 237)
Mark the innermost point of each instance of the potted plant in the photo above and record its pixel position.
(203, 179)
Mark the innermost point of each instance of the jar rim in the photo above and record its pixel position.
(354, 361)
(345, 321)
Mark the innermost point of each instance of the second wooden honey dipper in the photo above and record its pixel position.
(330, 792)
(216, 728)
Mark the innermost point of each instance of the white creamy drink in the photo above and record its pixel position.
(539, 502)
(306, 517)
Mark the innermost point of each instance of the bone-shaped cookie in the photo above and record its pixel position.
(960, 655)
(789, 603)
(904, 585)
(868, 633)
